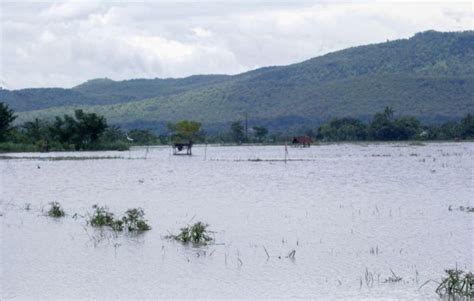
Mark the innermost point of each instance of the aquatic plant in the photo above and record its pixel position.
(196, 234)
(394, 278)
(134, 220)
(102, 217)
(456, 284)
(55, 210)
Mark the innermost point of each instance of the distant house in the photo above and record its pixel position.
(303, 141)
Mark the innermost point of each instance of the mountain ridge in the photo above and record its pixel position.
(430, 76)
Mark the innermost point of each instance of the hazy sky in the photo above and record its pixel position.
(64, 43)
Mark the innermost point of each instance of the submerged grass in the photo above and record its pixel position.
(133, 220)
(196, 234)
(457, 284)
(55, 210)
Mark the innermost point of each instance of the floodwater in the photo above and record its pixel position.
(353, 213)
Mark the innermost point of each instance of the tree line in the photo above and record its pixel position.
(81, 131)
(89, 131)
(384, 127)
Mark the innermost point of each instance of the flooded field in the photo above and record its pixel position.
(355, 215)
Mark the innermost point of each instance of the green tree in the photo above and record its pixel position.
(89, 128)
(237, 131)
(382, 126)
(407, 128)
(185, 130)
(36, 130)
(81, 131)
(143, 137)
(467, 127)
(6, 119)
(260, 132)
(113, 134)
(343, 129)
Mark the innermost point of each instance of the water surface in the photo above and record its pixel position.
(351, 212)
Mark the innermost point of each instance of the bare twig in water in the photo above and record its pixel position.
(268, 255)
(428, 281)
(291, 255)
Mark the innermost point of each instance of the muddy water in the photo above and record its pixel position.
(352, 213)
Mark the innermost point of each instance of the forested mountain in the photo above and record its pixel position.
(429, 76)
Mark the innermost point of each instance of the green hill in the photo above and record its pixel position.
(429, 76)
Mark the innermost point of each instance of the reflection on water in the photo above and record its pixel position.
(351, 214)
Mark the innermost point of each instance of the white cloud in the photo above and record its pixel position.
(201, 32)
(66, 43)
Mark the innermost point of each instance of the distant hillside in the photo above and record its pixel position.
(430, 76)
(110, 92)
(102, 92)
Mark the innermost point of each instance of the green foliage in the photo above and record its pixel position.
(185, 130)
(260, 133)
(113, 134)
(82, 130)
(55, 210)
(102, 217)
(466, 128)
(343, 129)
(143, 137)
(237, 131)
(196, 234)
(12, 147)
(6, 119)
(134, 220)
(457, 284)
(384, 127)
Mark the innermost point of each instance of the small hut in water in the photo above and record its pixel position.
(178, 147)
(182, 135)
(302, 141)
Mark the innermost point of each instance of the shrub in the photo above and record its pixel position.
(134, 220)
(55, 210)
(196, 234)
(101, 217)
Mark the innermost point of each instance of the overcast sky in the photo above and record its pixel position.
(64, 43)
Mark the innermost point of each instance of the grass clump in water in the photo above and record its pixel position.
(196, 234)
(134, 220)
(55, 210)
(101, 217)
(457, 284)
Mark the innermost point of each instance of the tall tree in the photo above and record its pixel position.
(185, 130)
(6, 119)
(82, 131)
(237, 131)
(260, 133)
(467, 127)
